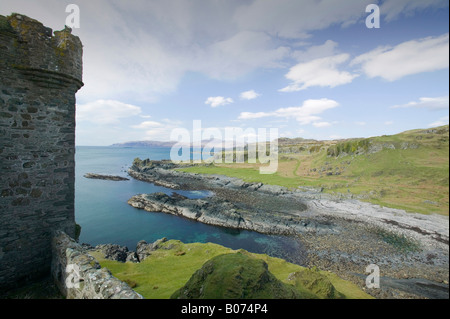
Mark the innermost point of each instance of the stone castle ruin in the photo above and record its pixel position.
(40, 73)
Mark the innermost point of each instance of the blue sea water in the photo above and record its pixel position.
(105, 217)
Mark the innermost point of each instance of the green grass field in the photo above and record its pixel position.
(414, 176)
(172, 265)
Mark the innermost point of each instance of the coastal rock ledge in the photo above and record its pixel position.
(218, 212)
(106, 177)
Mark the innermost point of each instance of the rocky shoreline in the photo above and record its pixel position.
(342, 236)
(215, 211)
(106, 177)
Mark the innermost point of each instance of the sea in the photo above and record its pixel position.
(102, 211)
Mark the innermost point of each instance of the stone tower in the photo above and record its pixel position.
(40, 72)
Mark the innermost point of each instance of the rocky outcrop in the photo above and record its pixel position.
(164, 173)
(115, 252)
(79, 276)
(144, 249)
(106, 177)
(152, 178)
(122, 254)
(219, 212)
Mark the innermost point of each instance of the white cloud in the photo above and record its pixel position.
(153, 130)
(147, 125)
(239, 54)
(315, 51)
(105, 111)
(392, 9)
(440, 122)
(104, 122)
(250, 115)
(388, 122)
(407, 58)
(158, 134)
(360, 123)
(142, 50)
(172, 122)
(321, 72)
(305, 114)
(218, 101)
(431, 103)
(321, 124)
(121, 59)
(249, 95)
(294, 19)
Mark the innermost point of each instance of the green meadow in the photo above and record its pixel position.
(170, 267)
(408, 171)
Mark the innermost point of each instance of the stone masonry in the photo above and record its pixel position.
(40, 72)
(78, 275)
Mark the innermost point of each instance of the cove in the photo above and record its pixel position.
(102, 211)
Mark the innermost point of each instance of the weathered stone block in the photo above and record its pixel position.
(79, 276)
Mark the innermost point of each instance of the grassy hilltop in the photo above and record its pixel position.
(175, 267)
(408, 171)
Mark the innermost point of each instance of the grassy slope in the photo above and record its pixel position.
(169, 268)
(413, 179)
(238, 276)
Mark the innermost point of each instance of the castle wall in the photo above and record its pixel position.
(78, 275)
(40, 73)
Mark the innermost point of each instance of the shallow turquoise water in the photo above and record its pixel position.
(105, 217)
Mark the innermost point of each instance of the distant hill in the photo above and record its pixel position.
(336, 147)
(144, 144)
(210, 142)
(412, 139)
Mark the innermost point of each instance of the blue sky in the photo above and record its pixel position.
(310, 68)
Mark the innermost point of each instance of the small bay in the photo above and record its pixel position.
(102, 211)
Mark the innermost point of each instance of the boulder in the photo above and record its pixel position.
(144, 249)
(114, 252)
(132, 257)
